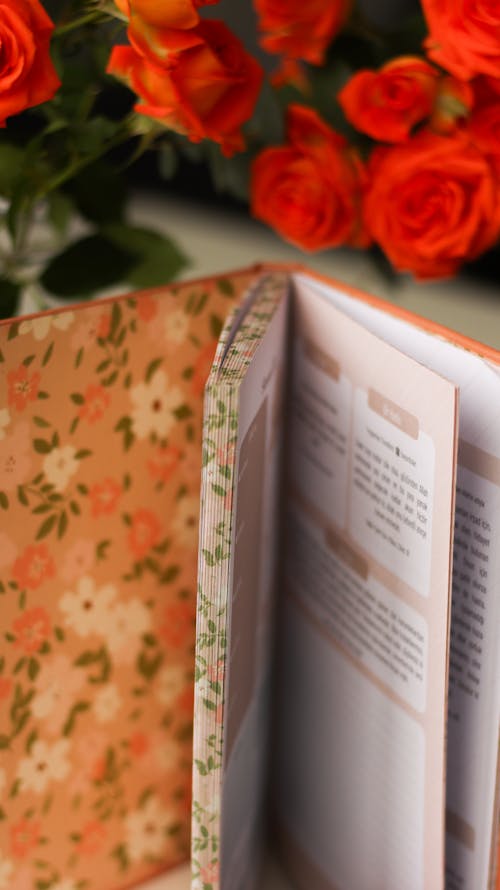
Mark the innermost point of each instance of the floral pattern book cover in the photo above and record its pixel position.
(100, 461)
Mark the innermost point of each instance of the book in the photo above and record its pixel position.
(343, 577)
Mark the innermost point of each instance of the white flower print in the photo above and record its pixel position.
(167, 754)
(125, 625)
(4, 421)
(87, 610)
(176, 326)
(154, 404)
(185, 524)
(65, 884)
(60, 465)
(56, 687)
(146, 830)
(107, 703)
(171, 682)
(6, 869)
(46, 762)
(41, 326)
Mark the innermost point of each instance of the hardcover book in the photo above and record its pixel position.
(333, 607)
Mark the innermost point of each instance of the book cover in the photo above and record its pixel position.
(100, 460)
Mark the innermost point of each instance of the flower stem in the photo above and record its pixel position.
(86, 19)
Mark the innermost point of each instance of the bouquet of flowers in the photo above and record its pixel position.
(335, 131)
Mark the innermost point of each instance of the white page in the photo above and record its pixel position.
(362, 691)
(474, 705)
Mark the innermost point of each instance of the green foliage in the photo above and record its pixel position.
(87, 264)
(9, 295)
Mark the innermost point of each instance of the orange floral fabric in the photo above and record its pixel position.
(100, 461)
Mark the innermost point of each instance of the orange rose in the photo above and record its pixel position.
(386, 104)
(206, 91)
(161, 28)
(464, 36)
(298, 29)
(432, 203)
(310, 189)
(486, 90)
(484, 127)
(173, 14)
(27, 75)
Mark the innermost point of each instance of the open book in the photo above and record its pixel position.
(329, 491)
(347, 665)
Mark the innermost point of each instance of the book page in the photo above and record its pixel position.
(239, 547)
(360, 765)
(474, 690)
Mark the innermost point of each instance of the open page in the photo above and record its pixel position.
(238, 551)
(360, 762)
(474, 691)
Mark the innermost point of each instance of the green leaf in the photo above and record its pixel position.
(46, 527)
(10, 163)
(209, 559)
(79, 708)
(215, 326)
(116, 317)
(48, 354)
(62, 524)
(42, 446)
(218, 489)
(226, 287)
(170, 574)
(30, 741)
(152, 367)
(182, 412)
(148, 667)
(60, 210)
(99, 191)
(157, 258)
(83, 452)
(9, 295)
(4, 501)
(87, 265)
(33, 668)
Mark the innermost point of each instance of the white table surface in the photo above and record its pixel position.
(218, 241)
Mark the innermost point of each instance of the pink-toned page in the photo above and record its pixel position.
(360, 758)
(100, 457)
